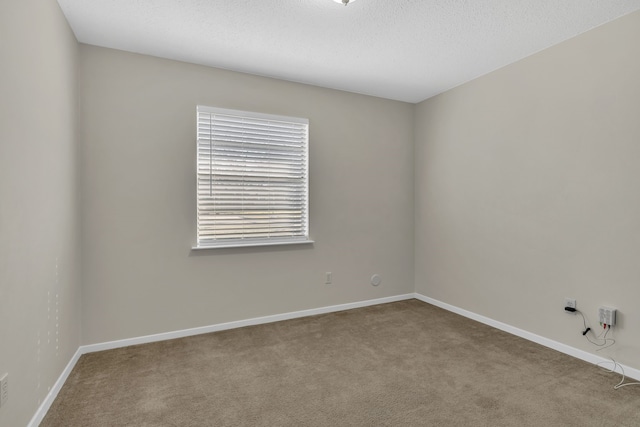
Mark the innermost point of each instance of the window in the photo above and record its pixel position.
(252, 179)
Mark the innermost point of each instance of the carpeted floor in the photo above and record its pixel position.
(400, 364)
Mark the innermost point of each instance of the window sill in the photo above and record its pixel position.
(252, 244)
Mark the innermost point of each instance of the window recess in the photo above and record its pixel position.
(252, 179)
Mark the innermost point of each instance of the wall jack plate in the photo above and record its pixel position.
(607, 315)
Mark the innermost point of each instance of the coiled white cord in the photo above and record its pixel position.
(616, 365)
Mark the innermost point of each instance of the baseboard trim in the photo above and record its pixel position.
(239, 324)
(53, 393)
(555, 345)
(91, 348)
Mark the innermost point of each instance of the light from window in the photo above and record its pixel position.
(252, 179)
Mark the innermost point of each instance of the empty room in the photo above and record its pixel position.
(319, 213)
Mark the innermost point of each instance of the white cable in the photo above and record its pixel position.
(604, 338)
(617, 365)
(603, 346)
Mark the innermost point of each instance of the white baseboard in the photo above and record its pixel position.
(53, 393)
(84, 349)
(563, 348)
(239, 324)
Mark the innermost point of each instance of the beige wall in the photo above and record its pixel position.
(138, 199)
(39, 265)
(528, 190)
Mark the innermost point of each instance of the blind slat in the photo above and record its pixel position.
(252, 176)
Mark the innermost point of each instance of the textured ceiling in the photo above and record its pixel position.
(406, 50)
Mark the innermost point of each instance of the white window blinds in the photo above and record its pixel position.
(252, 178)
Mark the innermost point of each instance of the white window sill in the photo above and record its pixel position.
(252, 244)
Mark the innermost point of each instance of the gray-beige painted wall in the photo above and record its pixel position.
(39, 224)
(528, 190)
(502, 196)
(140, 275)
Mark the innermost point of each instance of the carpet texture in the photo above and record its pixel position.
(400, 364)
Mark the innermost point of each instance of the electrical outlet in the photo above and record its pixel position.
(607, 315)
(328, 278)
(4, 389)
(570, 302)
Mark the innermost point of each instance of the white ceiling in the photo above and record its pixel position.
(406, 50)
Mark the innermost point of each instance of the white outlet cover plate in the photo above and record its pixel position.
(376, 280)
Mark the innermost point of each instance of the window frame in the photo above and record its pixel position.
(206, 243)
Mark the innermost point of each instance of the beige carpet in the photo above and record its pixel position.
(400, 364)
